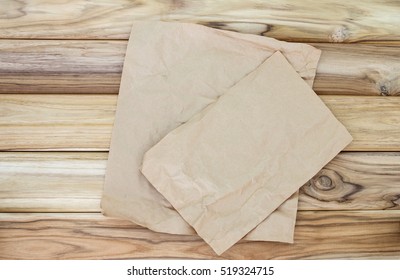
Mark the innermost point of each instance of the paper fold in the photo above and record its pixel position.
(230, 166)
(173, 71)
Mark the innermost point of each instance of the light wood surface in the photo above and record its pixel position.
(61, 66)
(84, 122)
(374, 122)
(73, 182)
(318, 235)
(56, 122)
(60, 69)
(305, 20)
(73, 66)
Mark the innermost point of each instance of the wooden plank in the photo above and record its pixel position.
(70, 66)
(56, 122)
(318, 235)
(84, 122)
(51, 182)
(374, 122)
(357, 181)
(305, 20)
(73, 182)
(358, 69)
(61, 66)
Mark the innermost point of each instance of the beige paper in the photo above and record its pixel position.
(172, 71)
(234, 163)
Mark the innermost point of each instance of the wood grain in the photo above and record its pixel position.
(369, 120)
(73, 182)
(51, 181)
(84, 122)
(60, 122)
(71, 66)
(358, 69)
(58, 99)
(305, 20)
(61, 66)
(357, 181)
(318, 235)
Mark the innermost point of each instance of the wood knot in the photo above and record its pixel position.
(390, 84)
(394, 200)
(328, 185)
(339, 34)
(384, 91)
(324, 183)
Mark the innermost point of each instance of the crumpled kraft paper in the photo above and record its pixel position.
(235, 162)
(172, 71)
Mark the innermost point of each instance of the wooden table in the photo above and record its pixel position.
(60, 67)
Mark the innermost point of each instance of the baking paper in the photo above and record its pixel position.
(234, 163)
(173, 71)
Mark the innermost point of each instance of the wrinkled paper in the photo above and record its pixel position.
(173, 71)
(233, 164)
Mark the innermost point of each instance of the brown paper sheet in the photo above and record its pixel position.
(233, 164)
(172, 71)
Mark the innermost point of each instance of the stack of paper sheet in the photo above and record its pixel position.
(224, 126)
